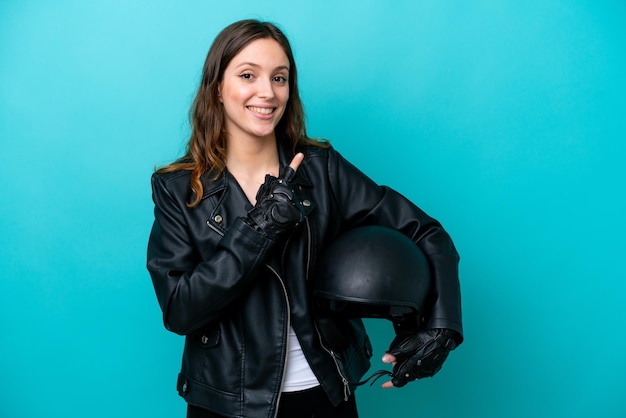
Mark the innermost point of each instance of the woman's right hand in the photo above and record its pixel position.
(278, 209)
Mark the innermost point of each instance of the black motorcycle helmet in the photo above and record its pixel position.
(372, 272)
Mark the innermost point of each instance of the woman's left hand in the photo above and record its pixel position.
(418, 355)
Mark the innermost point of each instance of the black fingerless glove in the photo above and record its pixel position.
(420, 354)
(278, 209)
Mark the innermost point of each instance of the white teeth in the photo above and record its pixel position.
(261, 110)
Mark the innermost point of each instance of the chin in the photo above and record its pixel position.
(264, 134)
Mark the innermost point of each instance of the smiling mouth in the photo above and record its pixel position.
(262, 110)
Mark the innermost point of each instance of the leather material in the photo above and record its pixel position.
(233, 292)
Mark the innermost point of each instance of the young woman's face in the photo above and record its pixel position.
(255, 90)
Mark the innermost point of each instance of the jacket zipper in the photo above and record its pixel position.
(333, 355)
(346, 382)
(280, 280)
(214, 228)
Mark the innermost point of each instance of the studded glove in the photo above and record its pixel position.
(278, 208)
(420, 354)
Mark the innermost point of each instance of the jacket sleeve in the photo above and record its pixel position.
(194, 290)
(362, 202)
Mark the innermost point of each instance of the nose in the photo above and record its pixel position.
(265, 89)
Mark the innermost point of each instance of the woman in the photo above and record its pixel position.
(239, 223)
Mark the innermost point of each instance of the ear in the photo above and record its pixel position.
(219, 93)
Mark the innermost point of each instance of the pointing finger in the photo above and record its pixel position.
(290, 171)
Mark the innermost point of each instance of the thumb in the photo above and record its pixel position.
(297, 160)
(290, 171)
(388, 358)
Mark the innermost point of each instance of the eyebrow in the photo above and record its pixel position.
(252, 64)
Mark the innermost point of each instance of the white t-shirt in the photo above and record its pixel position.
(298, 375)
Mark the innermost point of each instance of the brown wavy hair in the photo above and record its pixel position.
(206, 149)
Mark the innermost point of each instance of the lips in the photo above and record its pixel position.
(262, 110)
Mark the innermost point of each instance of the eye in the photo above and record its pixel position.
(246, 76)
(279, 79)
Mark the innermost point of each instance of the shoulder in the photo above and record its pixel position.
(177, 184)
(170, 187)
(176, 171)
(171, 179)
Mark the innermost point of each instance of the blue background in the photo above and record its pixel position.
(503, 119)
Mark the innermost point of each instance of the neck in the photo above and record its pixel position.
(252, 159)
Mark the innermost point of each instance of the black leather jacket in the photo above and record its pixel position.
(234, 293)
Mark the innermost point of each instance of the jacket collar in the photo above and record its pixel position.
(212, 185)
